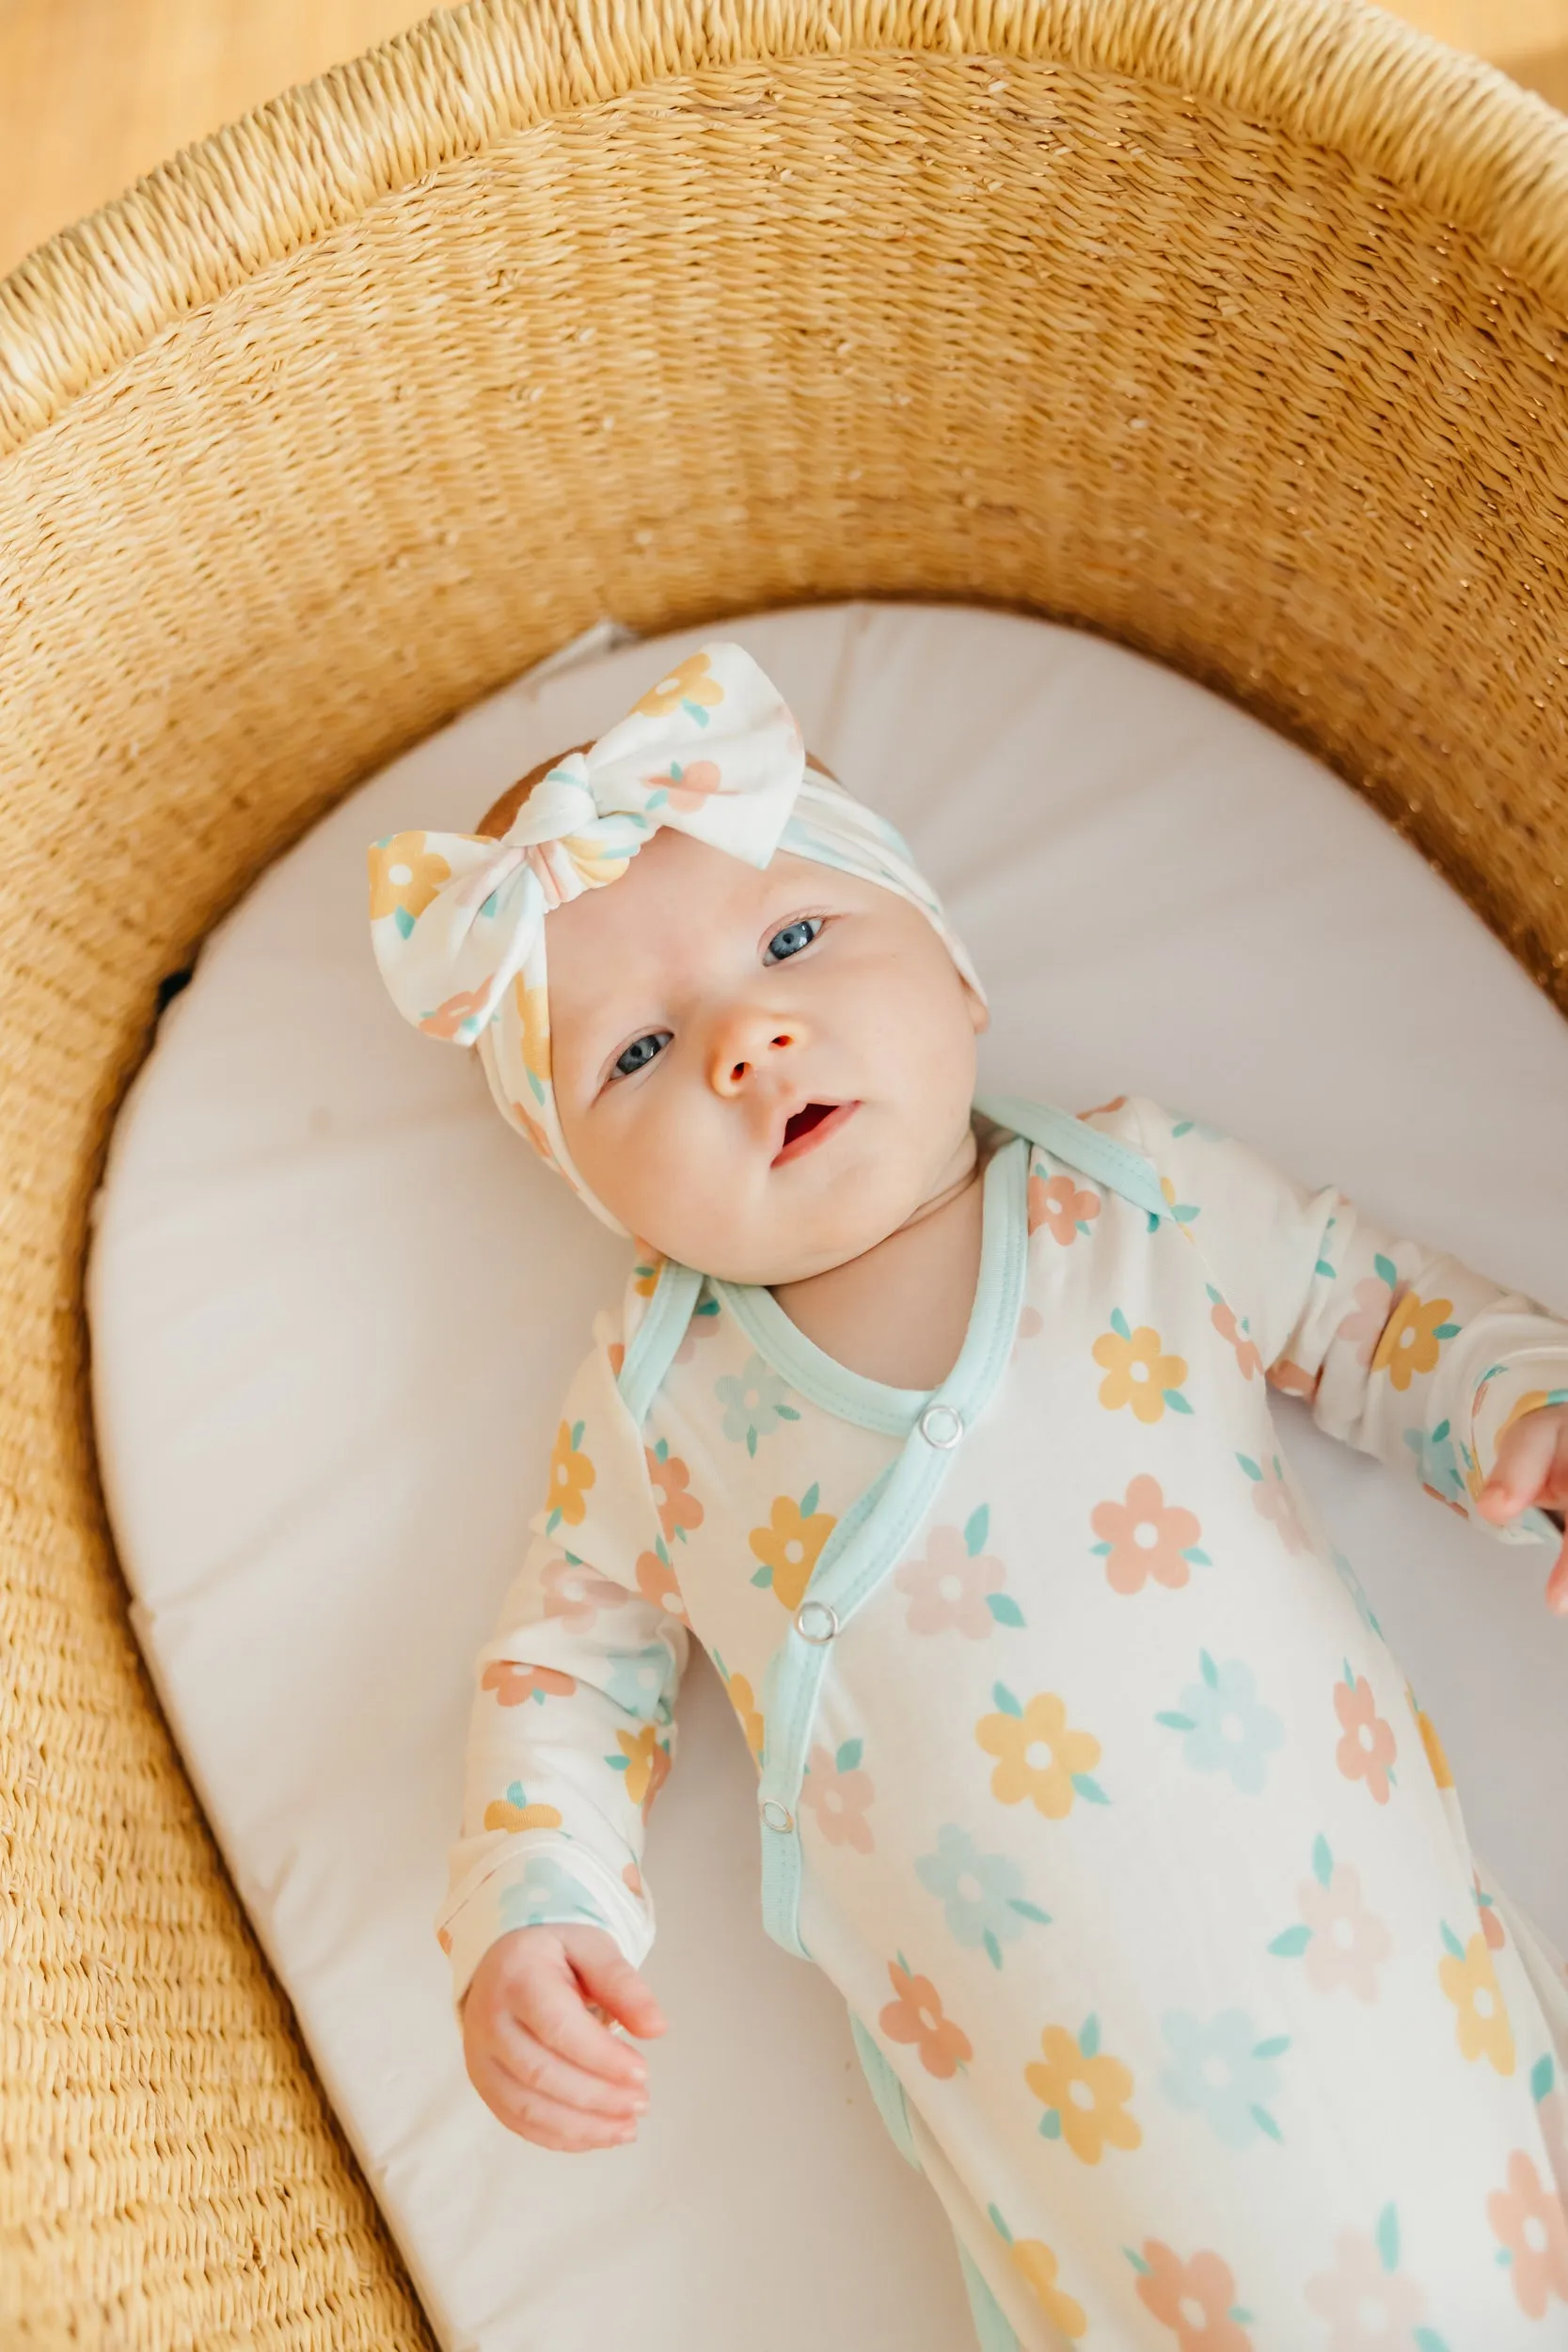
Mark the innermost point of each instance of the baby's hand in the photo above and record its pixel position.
(1533, 1466)
(536, 2054)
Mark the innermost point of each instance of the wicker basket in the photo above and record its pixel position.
(1234, 328)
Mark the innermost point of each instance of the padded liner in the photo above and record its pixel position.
(333, 1302)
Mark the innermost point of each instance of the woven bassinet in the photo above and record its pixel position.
(1233, 329)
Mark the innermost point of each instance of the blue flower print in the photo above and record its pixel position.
(640, 1682)
(1227, 1728)
(981, 1892)
(1223, 2071)
(754, 1404)
(544, 1892)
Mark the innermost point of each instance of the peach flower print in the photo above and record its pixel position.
(686, 786)
(1031, 1323)
(1037, 1755)
(1369, 2303)
(1366, 1750)
(1481, 2026)
(455, 1014)
(790, 1545)
(1037, 2266)
(915, 2016)
(1223, 1317)
(1531, 2227)
(1084, 2092)
(576, 1593)
(534, 1132)
(1113, 1104)
(656, 1581)
(1376, 1297)
(1342, 1943)
(688, 682)
(512, 1683)
(1413, 1336)
(1196, 2299)
(1138, 1372)
(645, 1758)
(956, 1588)
(1273, 1499)
(838, 1792)
(632, 1877)
(1061, 1204)
(443, 1938)
(678, 1510)
(1293, 1380)
(1144, 1536)
(405, 877)
(571, 1476)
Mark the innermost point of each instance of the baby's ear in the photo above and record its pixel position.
(501, 815)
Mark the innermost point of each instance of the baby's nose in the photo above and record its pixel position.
(742, 1044)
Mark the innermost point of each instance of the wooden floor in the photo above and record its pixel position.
(94, 93)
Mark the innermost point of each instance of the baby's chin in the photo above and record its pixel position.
(787, 1252)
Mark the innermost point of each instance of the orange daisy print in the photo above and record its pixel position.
(915, 2015)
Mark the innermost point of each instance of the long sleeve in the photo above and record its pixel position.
(571, 1731)
(1400, 1348)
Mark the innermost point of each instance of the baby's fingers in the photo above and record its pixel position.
(538, 2070)
(548, 2123)
(555, 2015)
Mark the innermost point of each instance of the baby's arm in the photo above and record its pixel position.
(571, 1736)
(1400, 1348)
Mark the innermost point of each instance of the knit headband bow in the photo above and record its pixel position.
(458, 921)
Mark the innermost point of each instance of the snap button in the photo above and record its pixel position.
(777, 1816)
(942, 1426)
(815, 1621)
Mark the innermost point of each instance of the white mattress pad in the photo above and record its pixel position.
(322, 1440)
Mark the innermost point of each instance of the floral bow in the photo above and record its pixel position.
(458, 922)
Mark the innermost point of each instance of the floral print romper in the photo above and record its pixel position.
(1084, 1770)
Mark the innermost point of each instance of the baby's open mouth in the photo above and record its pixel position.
(810, 1125)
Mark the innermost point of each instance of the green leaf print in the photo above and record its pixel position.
(993, 1949)
(763, 1576)
(976, 1528)
(1089, 1790)
(1004, 1609)
(1450, 1942)
(1275, 2046)
(810, 1499)
(662, 1451)
(1249, 1466)
(1292, 1943)
(1136, 2260)
(999, 2225)
(1005, 1701)
(1541, 2078)
(1042, 1919)
(1387, 1270)
(1266, 2122)
(1051, 2124)
(1387, 2234)
(1089, 2038)
(1120, 1324)
(848, 1757)
(1428, 2340)
(578, 1428)
(1209, 1670)
(1199, 1558)
(752, 1443)
(1448, 1331)
(1176, 1723)
(1322, 1266)
(1174, 1399)
(1323, 1861)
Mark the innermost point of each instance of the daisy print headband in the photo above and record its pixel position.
(458, 922)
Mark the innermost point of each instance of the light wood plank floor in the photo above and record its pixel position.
(94, 93)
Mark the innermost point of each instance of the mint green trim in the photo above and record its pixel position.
(1128, 1172)
(992, 2330)
(886, 2089)
(849, 1396)
(846, 1575)
(657, 1336)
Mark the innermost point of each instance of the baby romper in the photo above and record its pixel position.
(1084, 1772)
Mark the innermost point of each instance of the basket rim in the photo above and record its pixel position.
(1443, 128)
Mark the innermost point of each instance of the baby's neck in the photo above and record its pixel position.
(898, 1312)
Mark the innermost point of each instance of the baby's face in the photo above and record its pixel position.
(761, 1074)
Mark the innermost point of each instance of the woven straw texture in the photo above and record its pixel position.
(1234, 328)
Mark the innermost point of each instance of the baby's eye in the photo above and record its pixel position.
(641, 1052)
(793, 937)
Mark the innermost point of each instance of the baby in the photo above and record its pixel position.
(1086, 1772)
